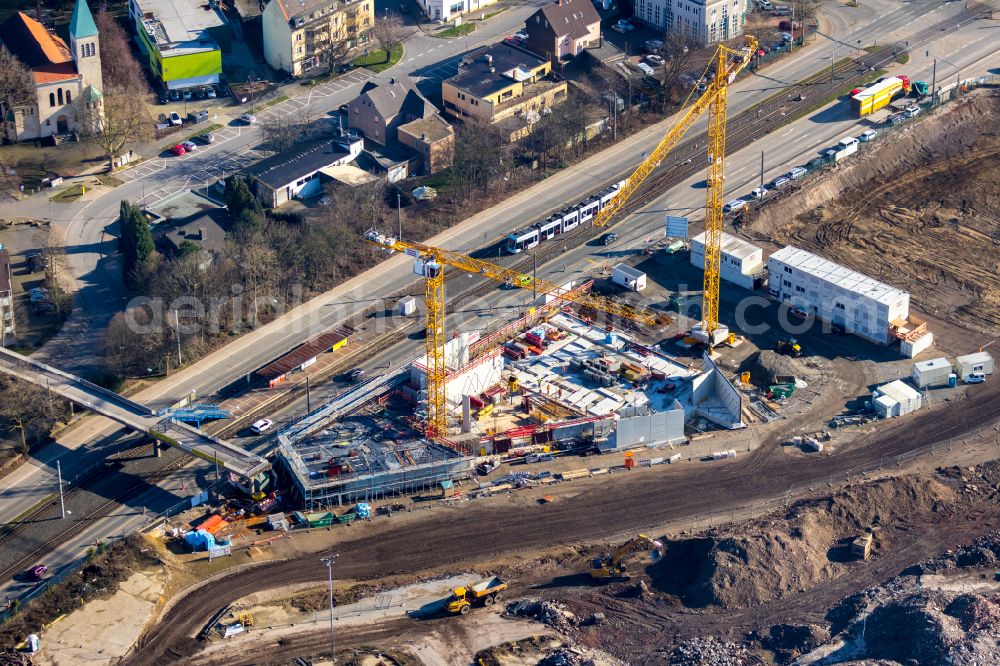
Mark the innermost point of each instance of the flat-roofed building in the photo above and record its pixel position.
(858, 303)
(181, 40)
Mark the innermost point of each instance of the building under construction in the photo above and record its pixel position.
(561, 382)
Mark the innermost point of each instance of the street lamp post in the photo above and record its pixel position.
(328, 561)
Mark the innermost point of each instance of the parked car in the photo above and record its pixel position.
(796, 173)
(734, 205)
(248, 119)
(356, 375)
(867, 136)
(175, 118)
(522, 35)
(654, 59)
(625, 25)
(163, 98)
(210, 93)
(798, 313)
(780, 10)
(262, 426)
(785, 36)
(38, 294)
(779, 182)
(186, 95)
(178, 150)
(36, 262)
(759, 192)
(609, 238)
(207, 138)
(896, 118)
(652, 45)
(619, 28)
(39, 571)
(174, 95)
(198, 93)
(975, 378)
(911, 111)
(645, 69)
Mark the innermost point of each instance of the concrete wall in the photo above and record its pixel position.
(660, 428)
(715, 398)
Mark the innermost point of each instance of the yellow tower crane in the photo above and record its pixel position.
(430, 264)
(728, 63)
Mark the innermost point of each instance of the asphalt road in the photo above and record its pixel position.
(35, 481)
(616, 505)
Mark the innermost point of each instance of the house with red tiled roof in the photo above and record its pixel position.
(64, 75)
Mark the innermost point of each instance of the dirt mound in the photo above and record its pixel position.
(925, 201)
(790, 640)
(764, 366)
(775, 556)
(974, 612)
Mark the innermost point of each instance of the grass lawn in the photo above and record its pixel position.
(903, 58)
(69, 195)
(456, 31)
(277, 100)
(110, 181)
(375, 60)
(487, 17)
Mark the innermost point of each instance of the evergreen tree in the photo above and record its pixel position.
(136, 239)
(239, 198)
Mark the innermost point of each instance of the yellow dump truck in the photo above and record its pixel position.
(486, 591)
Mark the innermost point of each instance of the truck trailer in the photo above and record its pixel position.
(878, 96)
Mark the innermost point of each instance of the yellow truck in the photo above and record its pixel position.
(486, 591)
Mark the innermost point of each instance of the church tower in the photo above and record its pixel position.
(86, 45)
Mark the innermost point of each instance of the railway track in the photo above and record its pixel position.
(78, 523)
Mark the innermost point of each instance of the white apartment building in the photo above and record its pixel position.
(860, 304)
(742, 263)
(703, 22)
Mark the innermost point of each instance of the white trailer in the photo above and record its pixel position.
(978, 362)
(628, 277)
(934, 372)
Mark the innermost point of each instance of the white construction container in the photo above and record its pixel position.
(860, 304)
(895, 399)
(978, 362)
(931, 373)
(742, 263)
(910, 348)
(722, 455)
(674, 458)
(406, 306)
(628, 277)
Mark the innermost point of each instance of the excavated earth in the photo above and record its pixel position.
(924, 201)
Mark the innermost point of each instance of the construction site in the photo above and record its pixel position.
(621, 478)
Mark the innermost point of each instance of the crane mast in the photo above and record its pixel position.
(728, 63)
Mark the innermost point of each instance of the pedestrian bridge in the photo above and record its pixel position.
(133, 415)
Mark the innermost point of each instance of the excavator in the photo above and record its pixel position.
(611, 567)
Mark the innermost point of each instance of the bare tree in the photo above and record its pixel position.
(279, 131)
(388, 31)
(334, 51)
(119, 67)
(478, 155)
(762, 26)
(258, 268)
(29, 409)
(135, 343)
(17, 88)
(804, 10)
(119, 118)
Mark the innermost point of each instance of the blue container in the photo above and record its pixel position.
(611, 339)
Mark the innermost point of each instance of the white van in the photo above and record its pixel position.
(645, 69)
(848, 142)
(765, 5)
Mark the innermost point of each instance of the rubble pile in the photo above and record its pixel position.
(577, 656)
(984, 552)
(550, 613)
(710, 651)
